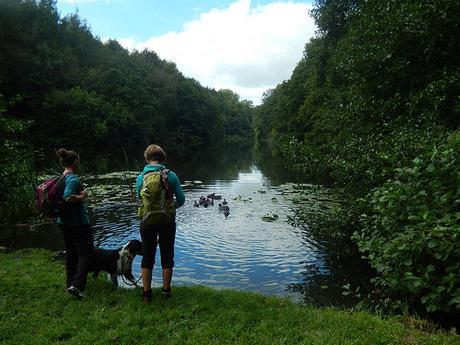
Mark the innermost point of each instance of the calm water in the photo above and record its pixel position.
(255, 248)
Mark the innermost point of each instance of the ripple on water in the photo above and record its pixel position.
(241, 251)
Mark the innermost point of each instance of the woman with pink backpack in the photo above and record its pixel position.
(75, 225)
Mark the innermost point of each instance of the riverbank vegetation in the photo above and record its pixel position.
(17, 174)
(372, 109)
(36, 309)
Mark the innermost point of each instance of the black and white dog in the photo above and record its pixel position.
(116, 262)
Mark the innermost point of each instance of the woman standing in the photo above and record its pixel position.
(156, 188)
(75, 226)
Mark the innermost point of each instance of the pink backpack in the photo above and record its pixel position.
(49, 197)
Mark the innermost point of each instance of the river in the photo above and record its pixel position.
(254, 248)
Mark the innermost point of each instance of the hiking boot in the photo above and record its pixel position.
(166, 292)
(76, 292)
(147, 296)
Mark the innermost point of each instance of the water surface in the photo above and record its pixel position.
(254, 248)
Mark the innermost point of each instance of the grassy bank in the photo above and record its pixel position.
(35, 309)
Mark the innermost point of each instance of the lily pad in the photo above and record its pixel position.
(270, 217)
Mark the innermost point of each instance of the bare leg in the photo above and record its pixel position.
(147, 279)
(167, 276)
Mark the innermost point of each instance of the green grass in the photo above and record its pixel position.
(36, 309)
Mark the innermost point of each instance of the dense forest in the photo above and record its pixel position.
(76, 90)
(61, 86)
(373, 110)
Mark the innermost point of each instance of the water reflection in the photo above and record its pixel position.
(241, 251)
(251, 249)
(327, 288)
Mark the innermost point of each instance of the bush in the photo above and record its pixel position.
(17, 175)
(411, 233)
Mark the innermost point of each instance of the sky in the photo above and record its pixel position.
(248, 46)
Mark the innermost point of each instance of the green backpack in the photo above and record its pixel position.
(156, 199)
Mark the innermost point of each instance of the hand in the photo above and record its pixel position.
(84, 194)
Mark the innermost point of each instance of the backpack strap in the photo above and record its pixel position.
(144, 175)
(165, 183)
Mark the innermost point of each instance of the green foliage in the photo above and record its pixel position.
(36, 309)
(80, 92)
(412, 233)
(65, 88)
(17, 175)
(331, 16)
(376, 91)
(74, 109)
(237, 116)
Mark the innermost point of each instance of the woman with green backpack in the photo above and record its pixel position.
(159, 193)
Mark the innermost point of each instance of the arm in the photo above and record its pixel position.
(71, 193)
(138, 186)
(77, 197)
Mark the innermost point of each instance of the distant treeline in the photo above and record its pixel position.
(373, 108)
(62, 87)
(77, 91)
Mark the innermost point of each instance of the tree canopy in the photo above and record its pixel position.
(77, 90)
(372, 108)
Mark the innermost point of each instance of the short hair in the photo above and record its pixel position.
(154, 153)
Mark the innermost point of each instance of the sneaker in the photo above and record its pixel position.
(147, 296)
(166, 292)
(76, 292)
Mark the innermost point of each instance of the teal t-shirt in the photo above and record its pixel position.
(77, 214)
(173, 181)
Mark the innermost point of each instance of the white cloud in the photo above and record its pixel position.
(129, 42)
(81, 1)
(243, 48)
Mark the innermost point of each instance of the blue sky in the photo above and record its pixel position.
(247, 46)
(142, 18)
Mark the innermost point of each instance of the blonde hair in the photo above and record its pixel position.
(154, 153)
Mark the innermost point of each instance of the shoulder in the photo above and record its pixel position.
(140, 177)
(172, 176)
(72, 178)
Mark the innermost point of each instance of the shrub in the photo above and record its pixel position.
(17, 175)
(411, 233)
